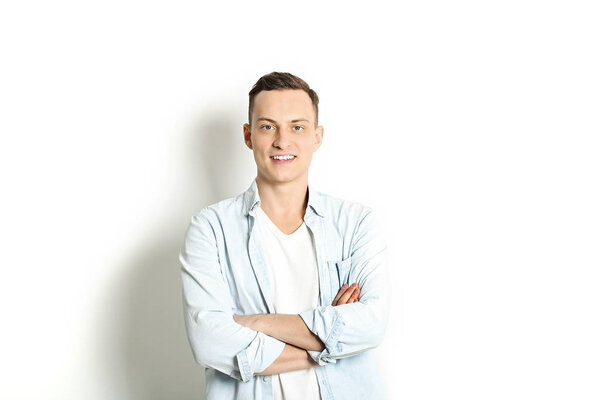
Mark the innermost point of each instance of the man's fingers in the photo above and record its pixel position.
(346, 296)
(342, 290)
(354, 296)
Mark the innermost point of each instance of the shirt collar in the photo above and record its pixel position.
(251, 199)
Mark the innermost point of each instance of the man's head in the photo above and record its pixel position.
(279, 81)
(282, 115)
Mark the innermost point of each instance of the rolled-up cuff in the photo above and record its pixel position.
(259, 354)
(327, 323)
(321, 357)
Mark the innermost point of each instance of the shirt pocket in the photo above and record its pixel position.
(338, 275)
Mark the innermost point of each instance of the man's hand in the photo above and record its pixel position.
(347, 294)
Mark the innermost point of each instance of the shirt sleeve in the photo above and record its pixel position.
(217, 341)
(350, 329)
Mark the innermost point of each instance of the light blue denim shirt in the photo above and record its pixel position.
(224, 272)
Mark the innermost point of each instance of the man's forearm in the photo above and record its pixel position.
(292, 358)
(289, 328)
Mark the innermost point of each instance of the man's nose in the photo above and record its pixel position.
(283, 137)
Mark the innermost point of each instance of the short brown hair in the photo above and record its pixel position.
(282, 80)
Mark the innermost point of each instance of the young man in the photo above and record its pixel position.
(285, 288)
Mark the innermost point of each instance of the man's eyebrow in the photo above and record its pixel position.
(273, 121)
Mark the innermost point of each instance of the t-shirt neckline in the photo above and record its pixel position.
(274, 227)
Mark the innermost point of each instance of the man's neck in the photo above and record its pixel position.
(287, 200)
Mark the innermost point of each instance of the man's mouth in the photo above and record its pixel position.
(283, 159)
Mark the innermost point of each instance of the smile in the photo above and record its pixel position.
(283, 159)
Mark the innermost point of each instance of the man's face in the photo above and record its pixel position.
(283, 123)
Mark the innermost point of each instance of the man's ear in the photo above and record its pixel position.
(319, 130)
(247, 136)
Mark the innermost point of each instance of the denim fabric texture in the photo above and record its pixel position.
(224, 272)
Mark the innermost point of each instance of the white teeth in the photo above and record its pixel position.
(283, 157)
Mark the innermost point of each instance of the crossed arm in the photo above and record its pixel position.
(228, 344)
(291, 329)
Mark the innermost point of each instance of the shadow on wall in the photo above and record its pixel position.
(151, 353)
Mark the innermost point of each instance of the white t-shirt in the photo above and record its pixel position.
(292, 263)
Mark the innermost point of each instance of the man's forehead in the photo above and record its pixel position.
(288, 104)
(274, 121)
(279, 96)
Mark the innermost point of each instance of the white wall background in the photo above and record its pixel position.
(471, 126)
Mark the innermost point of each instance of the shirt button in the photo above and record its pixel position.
(266, 378)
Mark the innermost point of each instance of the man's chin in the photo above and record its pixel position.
(280, 178)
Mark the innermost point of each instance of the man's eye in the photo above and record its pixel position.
(267, 126)
(298, 126)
